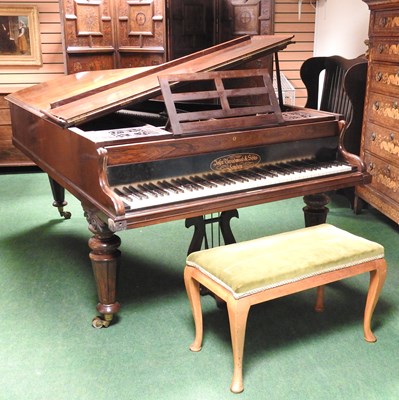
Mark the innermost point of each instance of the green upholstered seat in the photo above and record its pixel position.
(260, 264)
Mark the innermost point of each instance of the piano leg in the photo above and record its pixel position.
(315, 211)
(59, 198)
(104, 258)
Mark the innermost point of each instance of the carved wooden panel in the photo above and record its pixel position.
(141, 32)
(250, 17)
(246, 18)
(106, 34)
(88, 34)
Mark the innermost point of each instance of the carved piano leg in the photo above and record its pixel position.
(104, 259)
(315, 211)
(59, 198)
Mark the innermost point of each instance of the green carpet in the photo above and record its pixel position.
(48, 349)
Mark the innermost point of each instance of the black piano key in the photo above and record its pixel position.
(182, 184)
(189, 183)
(168, 186)
(279, 169)
(219, 179)
(250, 176)
(119, 193)
(158, 189)
(267, 172)
(203, 182)
(295, 166)
(152, 189)
(144, 188)
(236, 176)
(135, 192)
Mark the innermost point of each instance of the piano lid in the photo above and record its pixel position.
(80, 97)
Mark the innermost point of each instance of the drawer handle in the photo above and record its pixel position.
(373, 136)
(378, 76)
(380, 48)
(395, 105)
(383, 21)
(392, 136)
(371, 166)
(376, 105)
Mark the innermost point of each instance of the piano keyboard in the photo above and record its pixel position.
(167, 191)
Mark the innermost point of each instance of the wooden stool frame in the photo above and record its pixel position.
(238, 309)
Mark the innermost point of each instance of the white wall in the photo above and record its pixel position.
(341, 28)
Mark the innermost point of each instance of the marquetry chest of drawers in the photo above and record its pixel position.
(380, 132)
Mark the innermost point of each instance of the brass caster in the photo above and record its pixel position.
(99, 323)
(65, 214)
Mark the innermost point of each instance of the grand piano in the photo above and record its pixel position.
(190, 137)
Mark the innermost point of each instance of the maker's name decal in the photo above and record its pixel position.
(235, 162)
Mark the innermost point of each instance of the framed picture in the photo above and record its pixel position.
(19, 35)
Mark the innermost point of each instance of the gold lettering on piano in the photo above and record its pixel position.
(235, 162)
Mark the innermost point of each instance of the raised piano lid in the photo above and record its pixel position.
(80, 97)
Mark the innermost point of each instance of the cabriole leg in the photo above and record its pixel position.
(377, 279)
(193, 293)
(238, 315)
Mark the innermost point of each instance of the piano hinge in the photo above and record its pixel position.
(116, 226)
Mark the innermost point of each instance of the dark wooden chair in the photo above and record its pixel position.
(342, 91)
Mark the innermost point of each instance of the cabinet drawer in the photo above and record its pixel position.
(382, 142)
(385, 178)
(384, 49)
(385, 23)
(384, 78)
(383, 110)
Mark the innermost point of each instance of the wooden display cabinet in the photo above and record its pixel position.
(380, 133)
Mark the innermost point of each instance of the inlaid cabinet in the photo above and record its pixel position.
(380, 132)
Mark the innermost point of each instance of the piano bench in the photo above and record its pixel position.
(255, 271)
